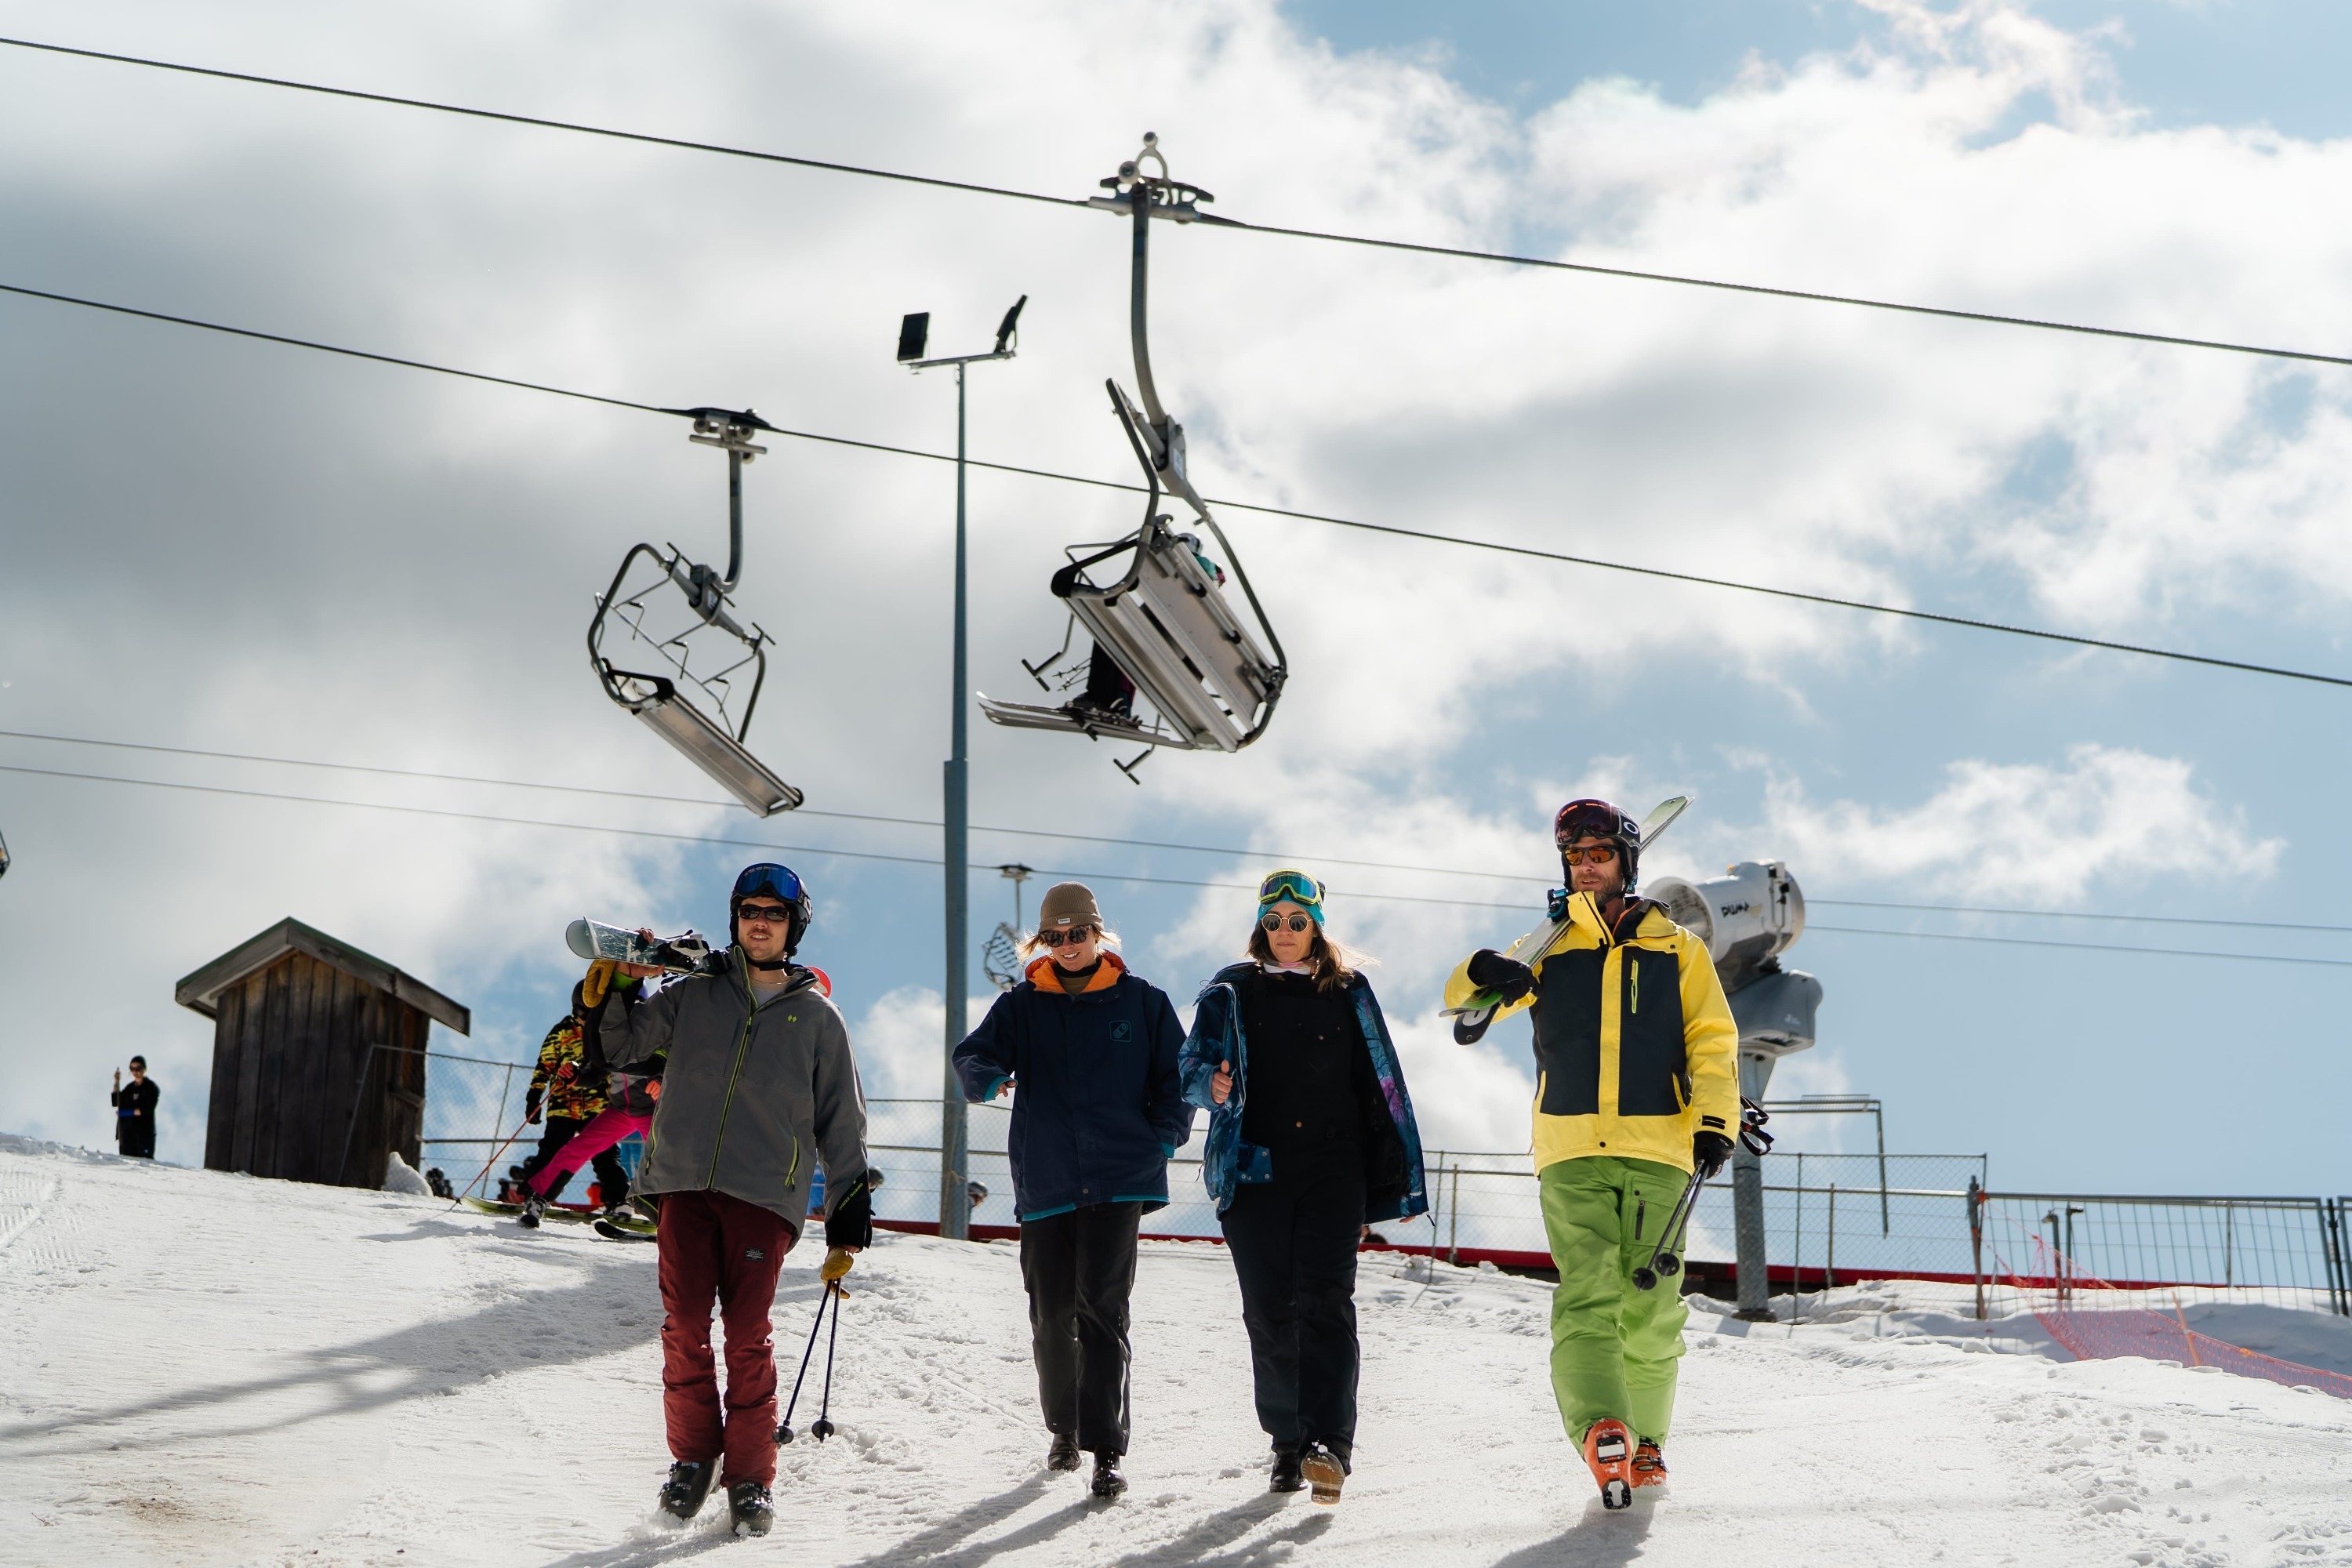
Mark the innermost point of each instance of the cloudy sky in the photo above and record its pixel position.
(237, 547)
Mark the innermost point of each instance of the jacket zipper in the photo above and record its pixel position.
(1633, 988)
(1641, 1211)
(743, 1048)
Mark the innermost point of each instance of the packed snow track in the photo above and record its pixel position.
(198, 1368)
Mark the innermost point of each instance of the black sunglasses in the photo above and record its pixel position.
(1056, 938)
(1273, 923)
(766, 914)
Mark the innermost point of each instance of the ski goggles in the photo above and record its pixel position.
(769, 880)
(1297, 886)
(1592, 819)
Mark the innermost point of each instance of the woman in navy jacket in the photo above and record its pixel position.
(1092, 1049)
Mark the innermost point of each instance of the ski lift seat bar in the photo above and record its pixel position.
(1168, 624)
(658, 703)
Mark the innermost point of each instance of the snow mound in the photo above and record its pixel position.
(400, 1176)
(198, 1368)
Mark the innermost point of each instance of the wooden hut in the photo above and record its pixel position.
(318, 1056)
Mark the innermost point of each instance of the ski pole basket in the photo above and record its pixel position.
(702, 654)
(1161, 625)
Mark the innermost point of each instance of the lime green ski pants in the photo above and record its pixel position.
(1614, 1349)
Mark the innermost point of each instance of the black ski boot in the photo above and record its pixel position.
(751, 1508)
(533, 1206)
(1064, 1453)
(1286, 1477)
(1109, 1482)
(688, 1485)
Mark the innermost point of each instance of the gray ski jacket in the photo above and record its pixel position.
(750, 1098)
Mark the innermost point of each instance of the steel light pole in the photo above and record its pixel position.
(955, 1202)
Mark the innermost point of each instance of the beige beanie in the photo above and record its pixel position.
(1068, 904)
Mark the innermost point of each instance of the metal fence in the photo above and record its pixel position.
(474, 1128)
(2092, 1252)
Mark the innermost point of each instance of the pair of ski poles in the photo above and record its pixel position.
(823, 1427)
(1667, 1261)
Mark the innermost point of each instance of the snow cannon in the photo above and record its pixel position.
(1748, 917)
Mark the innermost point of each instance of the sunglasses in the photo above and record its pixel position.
(1056, 938)
(765, 914)
(1599, 854)
(1276, 922)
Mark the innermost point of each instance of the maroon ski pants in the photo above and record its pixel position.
(716, 1248)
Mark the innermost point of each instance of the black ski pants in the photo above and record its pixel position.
(1079, 1269)
(1294, 1242)
(612, 1179)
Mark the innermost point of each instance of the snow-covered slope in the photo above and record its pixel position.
(208, 1369)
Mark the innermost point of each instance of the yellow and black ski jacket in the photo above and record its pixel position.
(1635, 1047)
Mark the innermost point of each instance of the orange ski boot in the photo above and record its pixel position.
(1609, 1452)
(1649, 1465)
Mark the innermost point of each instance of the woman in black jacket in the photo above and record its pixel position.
(1311, 1135)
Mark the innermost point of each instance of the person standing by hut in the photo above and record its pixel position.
(1312, 1137)
(1092, 1049)
(759, 1084)
(1636, 1086)
(134, 1112)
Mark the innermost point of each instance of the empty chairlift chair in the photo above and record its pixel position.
(1162, 626)
(707, 652)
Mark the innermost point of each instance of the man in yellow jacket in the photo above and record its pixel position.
(1636, 1085)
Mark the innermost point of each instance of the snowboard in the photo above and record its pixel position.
(1471, 1019)
(508, 1211)
(680, 954)
(611, 1232)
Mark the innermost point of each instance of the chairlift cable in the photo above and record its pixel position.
(927, 860)
(1285, 855)
(1009, 193)
(1524, 551)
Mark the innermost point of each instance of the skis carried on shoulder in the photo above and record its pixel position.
(1471, 1018)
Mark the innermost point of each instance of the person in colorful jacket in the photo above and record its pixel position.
(567, 1096)
(1312, 1137)
(759, 1088)
(1636, 1086)
(1091, 1048)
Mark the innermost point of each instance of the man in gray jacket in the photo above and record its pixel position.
(758, 1087)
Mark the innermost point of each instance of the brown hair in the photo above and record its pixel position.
(1334, 966)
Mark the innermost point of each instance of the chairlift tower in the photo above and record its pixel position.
(955, 1204)
(1747, 918)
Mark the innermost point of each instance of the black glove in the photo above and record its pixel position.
(1709, 1152)
(1506, 977)
(531, 1104)
(851, 1223)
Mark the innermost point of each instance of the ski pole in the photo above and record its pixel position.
(493, 1160)
(1662, 1261)
(784, 1429)
(822, 1428)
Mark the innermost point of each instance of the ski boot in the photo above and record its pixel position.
(1107, 1481)
(1325, 1470)
(1064, 1453)
(1649, 1465)
(1286, 1477)
(750, 1509)
(689, 1484)
(533, 1206)
(1609, 1453)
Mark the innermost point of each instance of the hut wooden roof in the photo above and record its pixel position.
(201, 990)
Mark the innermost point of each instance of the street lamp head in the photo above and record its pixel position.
(1004, 329)
(915, 332)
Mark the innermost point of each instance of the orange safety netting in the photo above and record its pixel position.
(2162, 1336)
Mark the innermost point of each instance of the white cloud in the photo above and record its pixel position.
(2029, 833)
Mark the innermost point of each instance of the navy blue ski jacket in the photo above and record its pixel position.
(1098, 1107)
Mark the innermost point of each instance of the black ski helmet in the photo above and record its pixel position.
(1599, 819)
(768, 879)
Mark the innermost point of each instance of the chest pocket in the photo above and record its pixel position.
(1568, 1032)
(1651, 1063)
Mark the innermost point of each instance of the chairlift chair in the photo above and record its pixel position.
(1162, 627)
(709, 649)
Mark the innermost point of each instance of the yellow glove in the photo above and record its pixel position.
(836, 1264)
(598, 981)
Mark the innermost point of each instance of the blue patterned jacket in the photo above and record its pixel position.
(1229, 1161)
